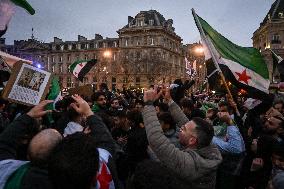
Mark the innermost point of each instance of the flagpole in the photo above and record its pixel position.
(210, 48)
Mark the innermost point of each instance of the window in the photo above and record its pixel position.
(83, 46)
(57, 47)
(68, 57)
(69, 82)
(152, 41)
(60, 59)
(68, 67)
(125, 80)
(74, 46)
(65, 47)
(86, 57)
(53, 68)
(151, 22)
(60, 68)
(126, 42)
(280, 14)
(85, 80)
(275, 39)
(53, 58)
(48, 59)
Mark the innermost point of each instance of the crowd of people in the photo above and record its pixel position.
(163, 138)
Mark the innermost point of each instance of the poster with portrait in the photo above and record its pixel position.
(27, 85)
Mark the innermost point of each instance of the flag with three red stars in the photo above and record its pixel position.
(244, 67)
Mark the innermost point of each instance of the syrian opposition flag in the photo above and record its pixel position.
(279, 63)
(7, 10)
(80, 68)
(244, 67)
(104, 177)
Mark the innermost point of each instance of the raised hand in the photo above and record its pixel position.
(81, 106)
(39, 110)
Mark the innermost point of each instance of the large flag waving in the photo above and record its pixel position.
(279, 63)
(244, 67)
(80, 68)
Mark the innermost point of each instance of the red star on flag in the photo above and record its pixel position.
(81, 64)
(243, 76)
(104, 177)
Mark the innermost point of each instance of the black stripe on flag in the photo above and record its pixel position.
(85, 70)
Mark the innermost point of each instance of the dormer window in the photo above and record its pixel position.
(140, 22)
(151, 22)
(280, 14)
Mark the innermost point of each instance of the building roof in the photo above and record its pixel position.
(157, 19)
(275, 13)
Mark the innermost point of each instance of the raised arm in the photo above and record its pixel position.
(10, 139)
(177, 114)
(98, 129)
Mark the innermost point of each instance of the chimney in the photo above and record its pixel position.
(98, 36)
(82, 38)
(57, 40)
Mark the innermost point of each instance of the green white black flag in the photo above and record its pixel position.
(242, 66)
(80, 68)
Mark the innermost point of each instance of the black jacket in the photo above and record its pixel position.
(10, 147)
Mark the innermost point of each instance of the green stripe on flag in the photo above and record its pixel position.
(24, 4)
(246, 56)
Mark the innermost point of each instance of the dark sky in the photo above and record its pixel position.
(235, 19)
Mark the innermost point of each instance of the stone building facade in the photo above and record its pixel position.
(270, 35)
(147, 51)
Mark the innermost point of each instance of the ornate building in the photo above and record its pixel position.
(270, 35)
(147, 51)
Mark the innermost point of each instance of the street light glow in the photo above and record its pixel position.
(199, 50)
(107, 54)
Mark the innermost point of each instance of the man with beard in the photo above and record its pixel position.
(100, 101)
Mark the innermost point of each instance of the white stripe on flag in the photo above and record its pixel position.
(78, 68)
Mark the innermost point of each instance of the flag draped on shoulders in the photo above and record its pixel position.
(244, 67)
(80, 68)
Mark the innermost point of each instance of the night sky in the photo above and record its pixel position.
(235, 19)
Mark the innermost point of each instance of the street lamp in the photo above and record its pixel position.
(107, 54)
(199, 50)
